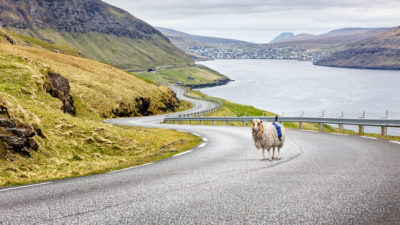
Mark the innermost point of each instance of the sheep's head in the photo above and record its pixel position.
(257, 127)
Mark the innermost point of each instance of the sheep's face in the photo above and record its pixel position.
(257, 126)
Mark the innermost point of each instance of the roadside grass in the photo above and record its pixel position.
(78, 145)
(232, 109)
(184, 75)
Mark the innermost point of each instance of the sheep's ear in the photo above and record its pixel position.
(261, 122)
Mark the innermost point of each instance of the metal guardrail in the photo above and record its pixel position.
(360, 122)
(218, 105)
(383, 123)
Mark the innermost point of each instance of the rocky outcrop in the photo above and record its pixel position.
(16, 138)
(139, 107)
(142, 106)
(58, 87)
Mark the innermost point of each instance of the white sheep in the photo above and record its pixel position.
(265, 136)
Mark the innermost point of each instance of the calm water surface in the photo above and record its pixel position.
(293, 87)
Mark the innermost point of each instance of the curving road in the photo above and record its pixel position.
(321, 179)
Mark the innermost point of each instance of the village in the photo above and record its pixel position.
(289, 53)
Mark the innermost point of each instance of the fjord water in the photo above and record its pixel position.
(291, 87)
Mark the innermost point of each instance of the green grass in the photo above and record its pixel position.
(80, 145)
(120, 52)
(184, 75)
(35, 42)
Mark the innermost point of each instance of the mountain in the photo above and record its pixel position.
(98, 30)
(381, 52)
(282, 37)
(333, 38)
(184, 40)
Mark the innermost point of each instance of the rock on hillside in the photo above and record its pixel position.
(382, 52)
(15, 137)
(58, 87)
(99, 30)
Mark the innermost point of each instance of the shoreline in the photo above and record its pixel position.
(214, 84)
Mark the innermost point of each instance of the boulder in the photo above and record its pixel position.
(6, 123)
(58, 87)
(16, 139)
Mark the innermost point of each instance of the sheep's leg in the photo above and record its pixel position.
(273, 153)
(262, 157)
(269, 155)
(279, 153)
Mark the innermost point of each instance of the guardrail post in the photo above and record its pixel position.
(227, 122)
(201, 122)
(213, 122)
(341, 129)
(321, 127)
(301, 125)
(384, 131)
(190, 122)
(360, 129)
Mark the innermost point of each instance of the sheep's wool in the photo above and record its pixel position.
(268, 138)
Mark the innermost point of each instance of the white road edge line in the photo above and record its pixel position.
(396, 142)
(182, 153)
(205, 139)
(198, 135)
(312, 131)
(202, 145)
(130, 168)
(339, 134)
(369, 137)
(26, 186)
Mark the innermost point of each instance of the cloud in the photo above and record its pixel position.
(262, 20)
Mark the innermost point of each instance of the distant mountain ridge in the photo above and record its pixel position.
(101, 31)
(334, 37)
(183, 40)
(282, 37)
(381, 52)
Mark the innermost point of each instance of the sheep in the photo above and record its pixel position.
(265, 136)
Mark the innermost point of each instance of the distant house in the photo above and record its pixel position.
(152, 69)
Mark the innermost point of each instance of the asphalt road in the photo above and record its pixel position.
(321, 179)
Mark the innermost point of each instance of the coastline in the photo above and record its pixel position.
(207, 85)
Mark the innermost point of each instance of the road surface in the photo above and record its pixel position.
(322, 179)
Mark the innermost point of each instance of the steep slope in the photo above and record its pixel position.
(99, 30)
(382, 52)
(185, 40)
(41, 90)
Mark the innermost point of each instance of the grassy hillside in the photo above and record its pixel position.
(98, 30)
(121, 52)
(80, 145)
(189, 76)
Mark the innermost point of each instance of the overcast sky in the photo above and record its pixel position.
(262, 20)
